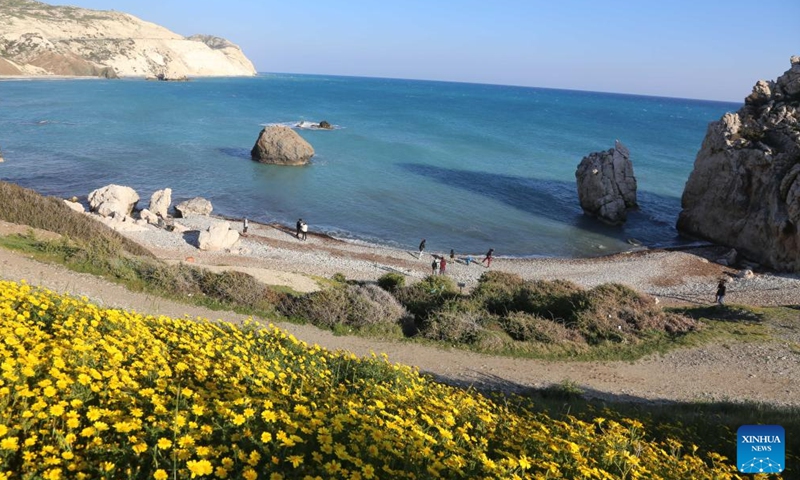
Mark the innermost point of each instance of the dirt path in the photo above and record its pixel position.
(760, 372)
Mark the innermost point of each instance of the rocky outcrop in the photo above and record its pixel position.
(115, 200)
(218, 236)
(744, 190)
(41, 39)
(280, 145)
(160, 201)
(195, 206)
(606, 184)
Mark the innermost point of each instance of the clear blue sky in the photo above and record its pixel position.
(710, 49)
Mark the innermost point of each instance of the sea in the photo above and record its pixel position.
(466, 166)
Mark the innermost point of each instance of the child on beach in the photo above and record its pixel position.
(435, 265)
(442, 266)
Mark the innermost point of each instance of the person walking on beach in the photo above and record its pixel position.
(298, 226)
(442, 266)
(488, 258)
(421, 248)
(304, 230)
(435, 265)
(452, 255)
(721, 292)
(244, 227)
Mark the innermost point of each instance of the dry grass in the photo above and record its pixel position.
(26, 207)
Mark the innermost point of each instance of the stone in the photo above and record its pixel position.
(218, 236)
(280, 145)
(606, 184)
(746, 273)
(113, 199)
(121, 223)
(194, 206)
(149, 217)
(324, 124)
(75, 206)
(179, 228)
(744, 189)
(160, 202)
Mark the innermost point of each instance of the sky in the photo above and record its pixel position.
(703, 49)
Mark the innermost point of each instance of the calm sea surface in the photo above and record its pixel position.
(466, 166)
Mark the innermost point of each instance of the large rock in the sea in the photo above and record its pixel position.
(218, 236)
(280, 145)
(606, 185)
(744, 191)
(195, 206)
(160, 201)
(113, 200)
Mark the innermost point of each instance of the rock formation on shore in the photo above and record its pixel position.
(744, 191)
(280, 145)
(41, 39)
(606, 185)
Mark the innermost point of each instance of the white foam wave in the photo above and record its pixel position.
(303, 125)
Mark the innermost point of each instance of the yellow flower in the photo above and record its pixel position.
(160, 474)
(164, 443)
(9, 443)
(199, 467)
(266, 437)
(250, 474)
(295, 460)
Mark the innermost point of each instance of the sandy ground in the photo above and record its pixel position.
(756, 371)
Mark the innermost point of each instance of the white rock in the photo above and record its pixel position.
(160, 202)
(113, 199)
(219, 236)
(75, 206)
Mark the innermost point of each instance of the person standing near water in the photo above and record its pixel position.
(435, 265)
(442, 266)
(298, 226)
(303, 230)
(244, 227)
(488, 258)
(421, 248)
(721, 292)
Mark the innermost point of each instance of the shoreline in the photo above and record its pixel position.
(271, 253)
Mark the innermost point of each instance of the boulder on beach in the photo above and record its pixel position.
(606, 184)
(113, 200)
(744, 190)
(75, 205)
(194, 206)
(218, 236)
(160, 201)
(325, 125)
(280, 145)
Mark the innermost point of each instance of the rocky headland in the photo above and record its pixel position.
(37, 39)
(744, 191)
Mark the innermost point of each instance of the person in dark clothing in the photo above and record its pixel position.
(452, 255)
(299, 226)
(488, 258)
(721, 292)
(435, 265)
(421, 248)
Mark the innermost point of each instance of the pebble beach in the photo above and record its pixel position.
(275, 256)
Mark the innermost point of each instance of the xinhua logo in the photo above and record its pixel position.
(761, 449)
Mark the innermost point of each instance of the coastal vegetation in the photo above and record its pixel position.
(82, 399)
(63, 366)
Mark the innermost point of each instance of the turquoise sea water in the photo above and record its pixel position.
(466, 166)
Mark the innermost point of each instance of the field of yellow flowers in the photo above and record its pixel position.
(89, 393)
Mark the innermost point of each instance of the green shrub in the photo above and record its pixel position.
(555, 300)
(496, 290)
(392, 281)
(360, 307)
(527, 327)
(452, 327)
(427, 295)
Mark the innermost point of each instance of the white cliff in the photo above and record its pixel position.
(41, 39)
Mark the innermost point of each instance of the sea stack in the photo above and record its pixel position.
(744, 190)
(280, 145)
(606, 184)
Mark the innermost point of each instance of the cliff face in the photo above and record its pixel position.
(41, 39)
(744, 191)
